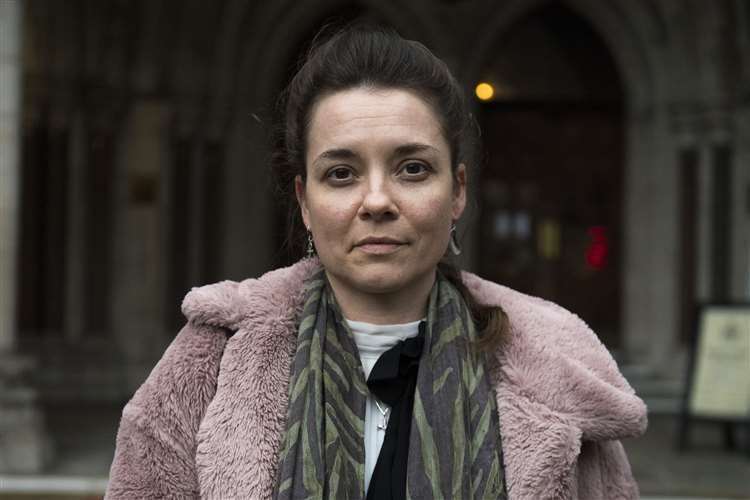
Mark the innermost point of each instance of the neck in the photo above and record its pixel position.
(402, 306)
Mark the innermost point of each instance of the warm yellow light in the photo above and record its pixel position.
(484, 91)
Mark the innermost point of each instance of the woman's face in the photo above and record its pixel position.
(380, 196)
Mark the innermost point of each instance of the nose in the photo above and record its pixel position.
(378, 203)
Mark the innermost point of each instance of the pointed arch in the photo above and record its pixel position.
(627, 28)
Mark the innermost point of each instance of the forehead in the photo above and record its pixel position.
(373, 118)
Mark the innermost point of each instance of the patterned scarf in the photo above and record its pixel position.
(454, 448)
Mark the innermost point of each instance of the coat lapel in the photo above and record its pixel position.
(540, 448)
(240, 435)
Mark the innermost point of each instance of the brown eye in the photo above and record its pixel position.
(414, 169)
(339, 174)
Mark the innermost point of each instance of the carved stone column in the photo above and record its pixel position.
(23, 447)
(138, 270)
(10, 138)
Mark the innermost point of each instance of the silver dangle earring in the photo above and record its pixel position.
(310, 245)
(455, 247)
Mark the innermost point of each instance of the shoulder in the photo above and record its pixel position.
(554, 358)
(233, 305)
(535, 320)
(213, 313)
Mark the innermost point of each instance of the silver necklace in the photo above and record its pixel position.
(384, 415)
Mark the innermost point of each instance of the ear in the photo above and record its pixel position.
(299, 191)
(459, 192)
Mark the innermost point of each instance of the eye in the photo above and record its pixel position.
(339, 175)
(414, 170)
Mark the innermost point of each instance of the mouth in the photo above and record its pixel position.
(379, 245)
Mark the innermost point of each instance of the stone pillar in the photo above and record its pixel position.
(196, 187)
(741, 285)
(638, 333)
(705, 187)
(183, 200)
(139, 266)
(249, 202)
(650, 298)
(10, 140)
(74, 283)
(742, 207)
(23, 447)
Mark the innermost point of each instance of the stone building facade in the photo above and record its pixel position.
(134, 165)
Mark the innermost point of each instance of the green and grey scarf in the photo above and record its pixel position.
(454, 448)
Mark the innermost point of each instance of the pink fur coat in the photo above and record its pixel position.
(208, 420)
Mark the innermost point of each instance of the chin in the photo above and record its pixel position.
(384, 278)
(377, 278)
(376, 283)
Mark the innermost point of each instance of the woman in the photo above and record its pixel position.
(376, 369)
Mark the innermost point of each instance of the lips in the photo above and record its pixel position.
(379, 245)
(378, 240)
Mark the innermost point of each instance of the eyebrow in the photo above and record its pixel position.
(414, 147)
(336, 154)
(402, 150)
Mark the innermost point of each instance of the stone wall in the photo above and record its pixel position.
(154, 101)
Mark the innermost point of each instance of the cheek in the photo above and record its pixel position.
(433, 215)
(331, 217)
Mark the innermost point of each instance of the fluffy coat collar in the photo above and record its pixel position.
(557, 389)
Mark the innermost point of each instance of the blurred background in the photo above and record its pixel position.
(134, 143)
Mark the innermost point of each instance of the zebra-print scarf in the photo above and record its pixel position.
(454, 449)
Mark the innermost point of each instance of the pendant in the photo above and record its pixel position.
(383, 425)
(384, 414)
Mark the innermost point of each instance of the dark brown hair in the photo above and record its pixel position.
(363, 55)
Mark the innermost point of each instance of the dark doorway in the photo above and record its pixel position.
(551, 190)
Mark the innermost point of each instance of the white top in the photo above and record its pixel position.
(372, 341)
